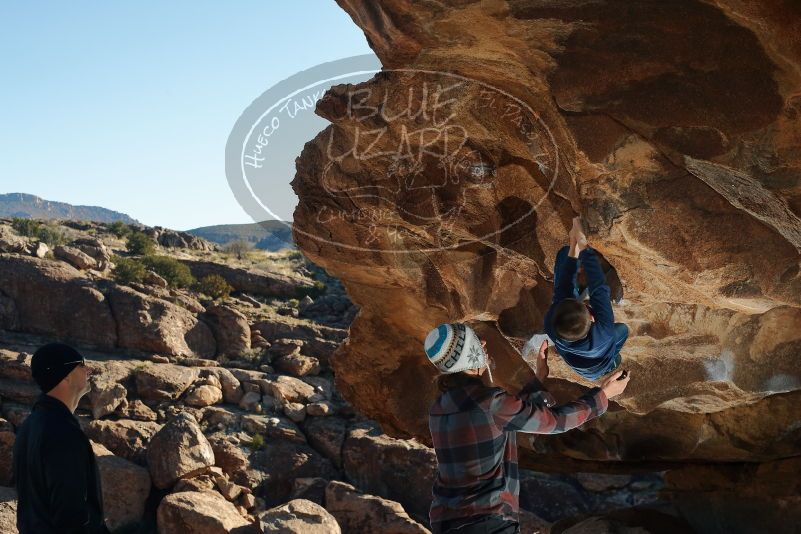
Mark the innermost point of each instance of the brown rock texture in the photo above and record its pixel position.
(200, 512)
(55, 299)
(177, 450)
(446, 184)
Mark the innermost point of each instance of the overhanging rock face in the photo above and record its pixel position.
(445, 186)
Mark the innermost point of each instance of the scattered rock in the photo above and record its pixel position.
(151, 324)
(161, 382)
(295, 411)
(230, 327)
(284, 461)
(178, 450)
(75, 257)
(297, 365)
(381, 465)
(356, 512)
(8, 511)
(204, 395)
(319, 409)
(125, 438)
(200, 512)
(290, 389)
(125, 486)
(299, 516)
(154, 279)
(30, 281)
(327, 435)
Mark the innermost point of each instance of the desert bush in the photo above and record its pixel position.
(46, 232)
(140, 243)
(214, 286)
(173, 271)
(129, 270)
(256, 442)
(119, 229)
(317, 289)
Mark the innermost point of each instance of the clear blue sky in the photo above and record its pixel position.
(128, 105)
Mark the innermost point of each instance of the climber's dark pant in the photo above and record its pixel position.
(488, 524)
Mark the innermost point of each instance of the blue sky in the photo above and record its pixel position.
(128, 105)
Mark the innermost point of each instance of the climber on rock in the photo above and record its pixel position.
(473, 429)
(586, 336)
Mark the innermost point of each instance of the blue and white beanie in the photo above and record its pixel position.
(454, 347)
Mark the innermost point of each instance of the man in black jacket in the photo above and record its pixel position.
(58, 483)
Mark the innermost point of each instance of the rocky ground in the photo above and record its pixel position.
(223, 415)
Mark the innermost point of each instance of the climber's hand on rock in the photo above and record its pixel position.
(578, 241)
(612, 386)
(542, 362)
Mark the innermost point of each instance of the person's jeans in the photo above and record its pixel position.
(621, 334)
(561, 256)
(488, 524)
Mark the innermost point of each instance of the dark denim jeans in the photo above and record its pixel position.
(488, 524)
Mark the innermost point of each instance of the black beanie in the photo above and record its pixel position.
(52, 362)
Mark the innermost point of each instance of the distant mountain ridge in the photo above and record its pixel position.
(33, 207)
(269, 235)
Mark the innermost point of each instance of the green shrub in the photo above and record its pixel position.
(256, 442)
(45, 232)
(140, 243)
(119, 229)
(252, 355)
(52, 235)
(293, 303)
(129, 270)
(295, 255)
(173, 271)
(317, 289)
(26, 227)
(214, 286)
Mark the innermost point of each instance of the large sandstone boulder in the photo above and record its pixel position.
(253, 281)
(11, 242)
(231, 387)
(94, 248)
(150, 324)
(163, 381)
(205, 395)
(357, 512)
(284, 461)
(200, 512)
(8, 511)
(290, 389)
(327, 435)
(49, 294)
(125, 486)
(381, 465)
(75, 257)
(230, 327)
(7, 438)
(299, 516)
(124, 437)
(177, 450)
(565, 109)
(108, 393)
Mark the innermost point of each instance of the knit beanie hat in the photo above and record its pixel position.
(454, 347)
(52, 362)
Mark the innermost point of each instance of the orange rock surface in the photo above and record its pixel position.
(445, 185)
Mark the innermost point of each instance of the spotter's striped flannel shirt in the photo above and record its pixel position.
(473, 429)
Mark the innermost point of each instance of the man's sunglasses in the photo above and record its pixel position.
(81, 363)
